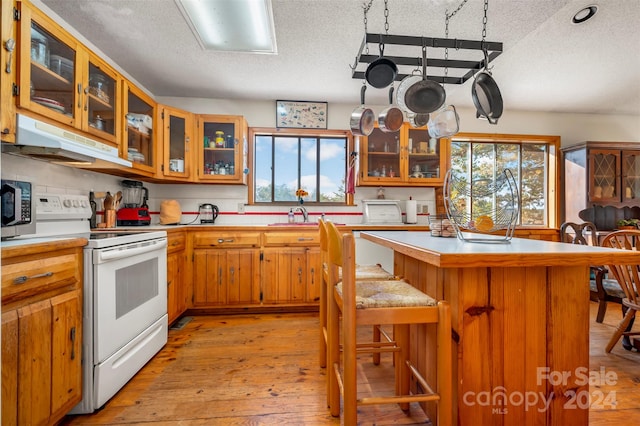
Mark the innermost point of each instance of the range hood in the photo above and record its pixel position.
(42, 140)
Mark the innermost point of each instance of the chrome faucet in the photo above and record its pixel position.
(305, 215)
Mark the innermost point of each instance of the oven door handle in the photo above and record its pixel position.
(128, 252)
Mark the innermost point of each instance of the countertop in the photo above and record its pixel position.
(453, 252)
(270, 227)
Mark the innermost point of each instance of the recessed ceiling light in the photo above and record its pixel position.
(584, 14)
(233, 26)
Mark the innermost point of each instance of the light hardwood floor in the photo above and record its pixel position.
(263, 369)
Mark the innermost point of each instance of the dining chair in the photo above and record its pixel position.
(390, 302)
(602, 289)
(628, 276)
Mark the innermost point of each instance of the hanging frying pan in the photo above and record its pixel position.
(362, 118)
(426, 95)
(381, 72)
(486, 95)
(391, 118)
(404, 85)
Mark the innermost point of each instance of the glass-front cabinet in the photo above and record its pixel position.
(100, 105)
(604, 166)
(221, 148)
(62, 80)
(177, 135)
(140, 147)
(49, 69)
(409, 156)
(630, 176)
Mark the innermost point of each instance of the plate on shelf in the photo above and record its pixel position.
(49, 103)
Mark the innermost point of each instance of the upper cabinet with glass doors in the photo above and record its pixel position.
(221, 146)
(404, 158)
(140, 146)
(61, 80)
(176, 131)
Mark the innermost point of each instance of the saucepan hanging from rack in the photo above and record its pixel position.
(362, 118)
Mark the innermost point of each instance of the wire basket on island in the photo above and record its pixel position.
(483, 210)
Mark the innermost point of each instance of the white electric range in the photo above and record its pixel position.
(125, 319)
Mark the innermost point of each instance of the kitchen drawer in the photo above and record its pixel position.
(226, 239)
(291, 239)
(38, 275)
(176, 241)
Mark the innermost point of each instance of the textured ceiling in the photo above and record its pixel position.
(548, 64)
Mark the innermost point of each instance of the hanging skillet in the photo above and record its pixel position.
(391, 118)
(362, 118)
(381, 72)
(424, 96)
(486, 95)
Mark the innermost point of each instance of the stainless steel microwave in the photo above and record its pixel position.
(18, 212)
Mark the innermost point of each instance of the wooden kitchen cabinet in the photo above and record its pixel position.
(221, 149)
(226, 269)
(403, 158)
(62, 80)
(8, 78)
(139, 141)
(41, 331)
(600, 173)
(176, 130)
(176, 284)
(255, 269)
(291, 267)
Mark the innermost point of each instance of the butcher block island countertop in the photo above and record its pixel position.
(520, 323)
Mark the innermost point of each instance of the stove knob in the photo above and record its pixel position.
(84, 203)
(76, 203)
(66, 203)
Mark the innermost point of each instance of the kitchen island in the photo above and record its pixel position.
(520, 324)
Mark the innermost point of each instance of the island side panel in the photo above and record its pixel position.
(568, 347)
(508, 324)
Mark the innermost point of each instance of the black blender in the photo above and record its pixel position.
(134, 211)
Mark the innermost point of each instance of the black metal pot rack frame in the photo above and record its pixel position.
(494, 49)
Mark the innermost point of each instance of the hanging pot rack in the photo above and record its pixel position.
(494, 49)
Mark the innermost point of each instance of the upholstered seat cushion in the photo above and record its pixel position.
(611, 287)
(388, 294)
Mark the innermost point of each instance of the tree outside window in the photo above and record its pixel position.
(284, 163)
(532, 163)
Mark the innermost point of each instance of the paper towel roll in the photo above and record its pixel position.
(412, 211)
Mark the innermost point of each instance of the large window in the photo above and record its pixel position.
(285, 162)
(532, 162)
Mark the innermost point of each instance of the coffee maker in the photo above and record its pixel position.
(134, 210)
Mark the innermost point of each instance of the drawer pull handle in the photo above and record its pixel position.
(222, 240)
(23, 279)
(305, 239)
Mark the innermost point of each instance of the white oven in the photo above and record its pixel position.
(125, 319)
(126, 307)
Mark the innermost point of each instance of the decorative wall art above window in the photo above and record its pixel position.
(301, 115)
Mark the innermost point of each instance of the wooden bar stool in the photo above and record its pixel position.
(381, 302)
(363, 272)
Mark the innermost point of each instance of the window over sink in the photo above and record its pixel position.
(286, 161)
